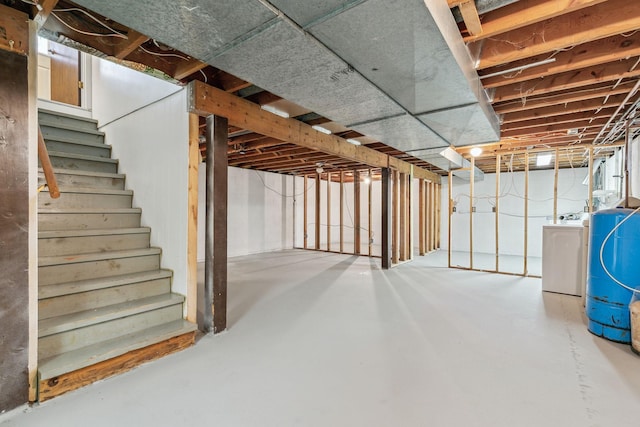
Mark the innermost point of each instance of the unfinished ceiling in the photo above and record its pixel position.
(399, 76)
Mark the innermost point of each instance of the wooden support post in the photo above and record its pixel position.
(18, 226)
(409, 240)
(438, 213)
(395, 249)
(450, 190)
(555, 188)
(305, 220)
(526, 212)
(369, 218)
(317, 206)
(386, 218)
(497, 210)
(421, 217)
(591, 179)
(341, 212)
(192, 219)
(212, 306)
(356, 212)
(471, 209)
(328, 211)
(403, 217)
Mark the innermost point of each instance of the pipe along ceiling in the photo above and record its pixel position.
(394, 70)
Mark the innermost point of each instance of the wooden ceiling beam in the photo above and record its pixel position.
(561, 127)
(185, 68)
(43, 14)
(570, 80)
(585, 55)
(523, 13)
(206, 100)
(547, 100)
(562, 109)
(568, 118)
(229, 82)
(582, 26)
(470, 16)
(134, 41)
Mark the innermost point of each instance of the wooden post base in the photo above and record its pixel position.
(56, 386)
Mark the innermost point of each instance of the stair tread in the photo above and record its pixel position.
(96, 256)
(85, 173)
(90, 355)
(68, 322)
(67, 126)
(89, 210)
(81, 157)
(68, 288)
(68, 140)
(56, 234)
(66, 115)
(94, 190)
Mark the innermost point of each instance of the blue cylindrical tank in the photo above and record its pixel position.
(607, 302)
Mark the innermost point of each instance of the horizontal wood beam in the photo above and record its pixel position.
(585, 25)
(522, 13)
(546, 100)
(470, 16)
(582, 56)
(185, 68)
(205, 100)
(562, 127)
(569, 80)
(134, 41)
(568, 118)
(563, 109)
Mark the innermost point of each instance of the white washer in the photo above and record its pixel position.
(562, 261)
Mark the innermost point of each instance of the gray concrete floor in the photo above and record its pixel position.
(319, 339)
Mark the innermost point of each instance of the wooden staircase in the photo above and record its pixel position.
(104, 303)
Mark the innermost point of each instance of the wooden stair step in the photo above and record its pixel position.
(99, 256)
(90, 355)
(83, 178)
(69, 242)
(88, 218)
(58, 234)
(63, 160)
(68, 322)
(68, 126)
(68, 288)
(66, 144)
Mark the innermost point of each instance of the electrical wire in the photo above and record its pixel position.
(604, 242)
(76, 9)
(77, 30)
(175, 55)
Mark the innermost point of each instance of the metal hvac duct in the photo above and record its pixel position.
(395, 70)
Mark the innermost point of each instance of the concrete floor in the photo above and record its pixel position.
(319, 339)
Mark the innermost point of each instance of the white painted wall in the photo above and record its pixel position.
(146, 123)
(572, 196)
(348, 218)
(260, 212)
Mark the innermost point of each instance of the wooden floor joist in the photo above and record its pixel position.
(53, 387)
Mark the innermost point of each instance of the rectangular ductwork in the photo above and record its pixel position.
(395, 70)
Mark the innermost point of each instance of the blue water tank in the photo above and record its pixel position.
(607, 302)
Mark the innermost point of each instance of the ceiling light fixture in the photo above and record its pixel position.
(319, 167)
(543, 159)
(275, 111)
(520, 68)
(321, 129)
(476, 151)
(354, 141)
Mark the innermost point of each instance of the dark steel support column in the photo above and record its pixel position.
(212, 299)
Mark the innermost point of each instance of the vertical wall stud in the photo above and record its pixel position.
(450, 190)
(192, 219)
(497, 210)
(591, 179)
(369, 217)
(328, 211)
(526, 212)
(386, 218)
(395, 206)
(356, 212)
(555, 189)
(305, 220)
(341, 212)
(471, 208)
(403, 217)
(421, 218)
(318, 188)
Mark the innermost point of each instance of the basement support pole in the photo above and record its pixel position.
(317, 209)
(386, 218)
(212, 305)
(356, 212)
